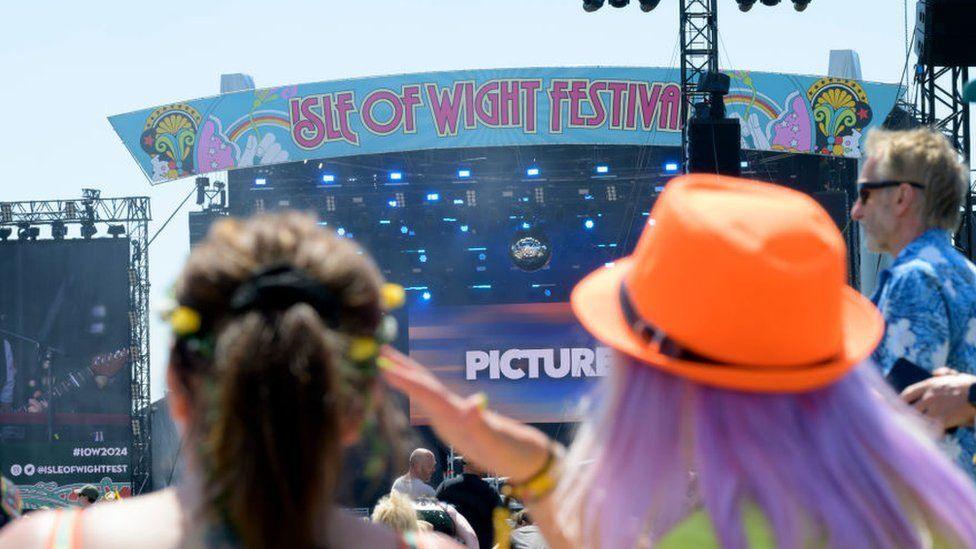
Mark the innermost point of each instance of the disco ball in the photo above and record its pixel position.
(530, 250)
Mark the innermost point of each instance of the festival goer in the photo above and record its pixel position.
(474, 498)
(87, 495)
(737, 350)
(911, 191)
(396, 511)
(414, 482)
(271, 375)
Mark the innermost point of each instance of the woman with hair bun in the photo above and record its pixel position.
(272, 374)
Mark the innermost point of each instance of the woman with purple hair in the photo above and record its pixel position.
(738, 413)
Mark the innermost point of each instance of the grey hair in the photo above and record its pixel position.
(924, 156)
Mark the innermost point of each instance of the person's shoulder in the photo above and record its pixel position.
(31, 530)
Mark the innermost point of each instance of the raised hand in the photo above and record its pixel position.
(492, 441)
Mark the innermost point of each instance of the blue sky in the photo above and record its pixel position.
(66, 66)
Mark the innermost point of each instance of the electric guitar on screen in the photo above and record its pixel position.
(102, 367)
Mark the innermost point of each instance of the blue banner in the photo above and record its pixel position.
(533, 360)
(477, 108)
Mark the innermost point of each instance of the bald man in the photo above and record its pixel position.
(414, 483)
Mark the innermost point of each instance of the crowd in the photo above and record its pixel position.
(756, 400)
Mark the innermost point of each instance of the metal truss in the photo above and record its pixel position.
(134, 213)
(699, 54)
(939, 103)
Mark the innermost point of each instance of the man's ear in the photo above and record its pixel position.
(905, 198)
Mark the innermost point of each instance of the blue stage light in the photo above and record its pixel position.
(396, 176)
(328, 178)
(532, 172)
(743, 164)
(603, 169)
(588, 224)
(391, 203)
(671, 167)
(525, 225)
(340, 231)
(433, 197)
(423, 258)
(464, 174)
(404, 229)
(260, 181)
(548, 292)
(426, 296)
(481, 257)
(464, 228)
(458, 202)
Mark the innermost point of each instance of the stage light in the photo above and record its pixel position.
(328, 178)
(260, 181)
(548, 292)
(433, 197)
(202, 184)
(423, 258)
(588, 224)
(602, 169)
(743, 164)
(58, 230)
(6, 212)
(464, 228)
(404, 229)
(5, 233)
(91, 194)
(525, 225)
(532, 172)
(746, 5)
(464, 174)
(800, 5)
(26, 232)
(592, 5)
(391, 203)
(671, 167)
(88, 230)
(396, 176)
(482, 256)
(425, 296)
(618, 3)
(458, 202)
(648, 5)
(116, 230)
(341, 231)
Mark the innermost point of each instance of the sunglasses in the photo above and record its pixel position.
(864, 189)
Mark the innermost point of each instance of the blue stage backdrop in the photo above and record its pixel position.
(499, 107)
(533, 360)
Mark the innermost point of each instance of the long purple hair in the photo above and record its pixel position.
(847, 465)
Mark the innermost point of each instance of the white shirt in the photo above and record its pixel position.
(413, 487)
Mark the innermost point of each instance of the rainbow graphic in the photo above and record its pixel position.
(756, 101)
(258, 119)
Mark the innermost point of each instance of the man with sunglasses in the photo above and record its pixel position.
(910, 193)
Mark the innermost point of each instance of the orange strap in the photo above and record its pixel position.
(66, 533)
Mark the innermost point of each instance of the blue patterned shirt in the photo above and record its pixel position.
(928, 299)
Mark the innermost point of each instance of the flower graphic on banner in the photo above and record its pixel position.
(168, 137)
(840, 108)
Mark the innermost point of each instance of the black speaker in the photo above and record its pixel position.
(714, 145)
(945, 31)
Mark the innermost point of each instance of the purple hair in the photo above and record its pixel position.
(846, 465)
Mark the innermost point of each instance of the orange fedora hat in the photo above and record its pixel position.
(736, 284)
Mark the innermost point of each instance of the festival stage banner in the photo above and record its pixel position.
(478, 108)
(533, 360)
(47, 473)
